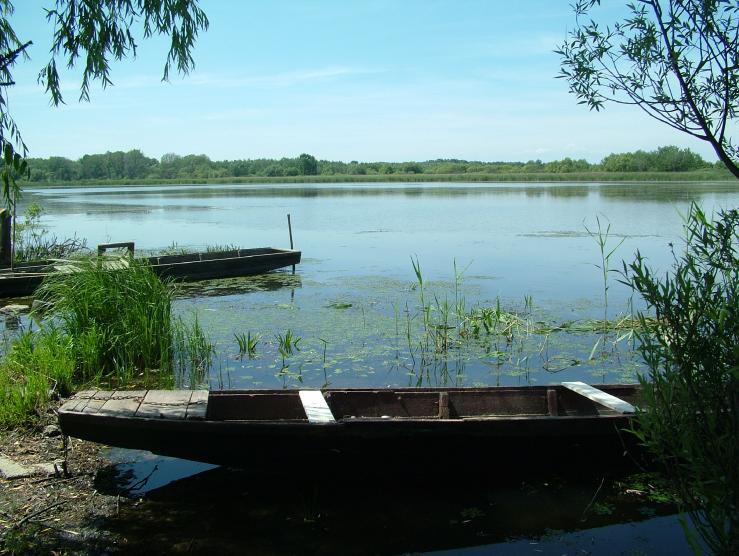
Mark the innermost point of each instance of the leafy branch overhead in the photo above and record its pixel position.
(678, 60)
(91, 33)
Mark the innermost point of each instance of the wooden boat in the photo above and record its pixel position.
(26, 277)
(389, 426)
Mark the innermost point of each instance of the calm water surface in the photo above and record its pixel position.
(354, 301)
(355, 296)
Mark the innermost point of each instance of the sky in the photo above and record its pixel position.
(367, 80)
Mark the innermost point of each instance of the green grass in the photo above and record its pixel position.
(112, 328)
(120, 318)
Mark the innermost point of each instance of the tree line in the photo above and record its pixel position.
(134, 164)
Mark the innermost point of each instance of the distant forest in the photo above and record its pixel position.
(134, 165)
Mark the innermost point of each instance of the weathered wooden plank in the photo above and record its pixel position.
(164, 404)
(198, 405)
(315, 406)
(598, 396)
(85, 394)
(443, 405)
(94, 405)
(161, 411)
(168, 396)
(75, 405)
(124, 407)
(128, 395)
(102, 395)
(552, 402)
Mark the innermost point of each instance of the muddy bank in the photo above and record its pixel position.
(50, 499)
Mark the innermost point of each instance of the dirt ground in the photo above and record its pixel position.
(56, 513)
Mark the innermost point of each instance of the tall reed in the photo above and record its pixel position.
(122, 317)
(601, 237)
(101, 326)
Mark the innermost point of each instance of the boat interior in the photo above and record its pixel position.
(280, 405)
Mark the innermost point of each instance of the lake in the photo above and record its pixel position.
(511, 292)
(525, 253)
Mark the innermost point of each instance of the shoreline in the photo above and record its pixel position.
(61, 510)
(700, 176)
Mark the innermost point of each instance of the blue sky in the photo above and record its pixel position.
(344, 80)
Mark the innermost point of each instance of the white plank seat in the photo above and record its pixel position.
(601, 397)
(315, 406)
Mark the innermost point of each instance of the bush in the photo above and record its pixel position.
(691, 417)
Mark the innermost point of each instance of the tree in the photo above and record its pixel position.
(91, 32)
(691, 391)
(308, 164)
(677, 60)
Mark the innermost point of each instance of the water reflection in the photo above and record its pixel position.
(270, 282)
(626, 192)
(400, 510)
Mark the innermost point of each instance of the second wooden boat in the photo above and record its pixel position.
(25, 278)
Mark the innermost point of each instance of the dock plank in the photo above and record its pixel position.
(601, 397)
(315, 406)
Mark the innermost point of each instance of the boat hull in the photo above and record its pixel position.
(26, 278)
(223, 437)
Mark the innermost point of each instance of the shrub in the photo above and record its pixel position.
(691, 417)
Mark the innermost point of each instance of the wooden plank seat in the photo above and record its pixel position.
(601, 397)
(315, 406)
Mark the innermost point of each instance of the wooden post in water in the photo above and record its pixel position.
(6, 239)
(290, 230)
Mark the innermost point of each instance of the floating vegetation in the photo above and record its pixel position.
(389, 332)
(339, 305)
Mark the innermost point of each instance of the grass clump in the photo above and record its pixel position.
(36, 367)
(120, 320)
(112, 328)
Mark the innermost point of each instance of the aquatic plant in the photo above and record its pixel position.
(172, 249)
(193, 352)
(602, 236)
(33, 242)
(287, 343)
(218, 248)
(247, 343)
(36, 367)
